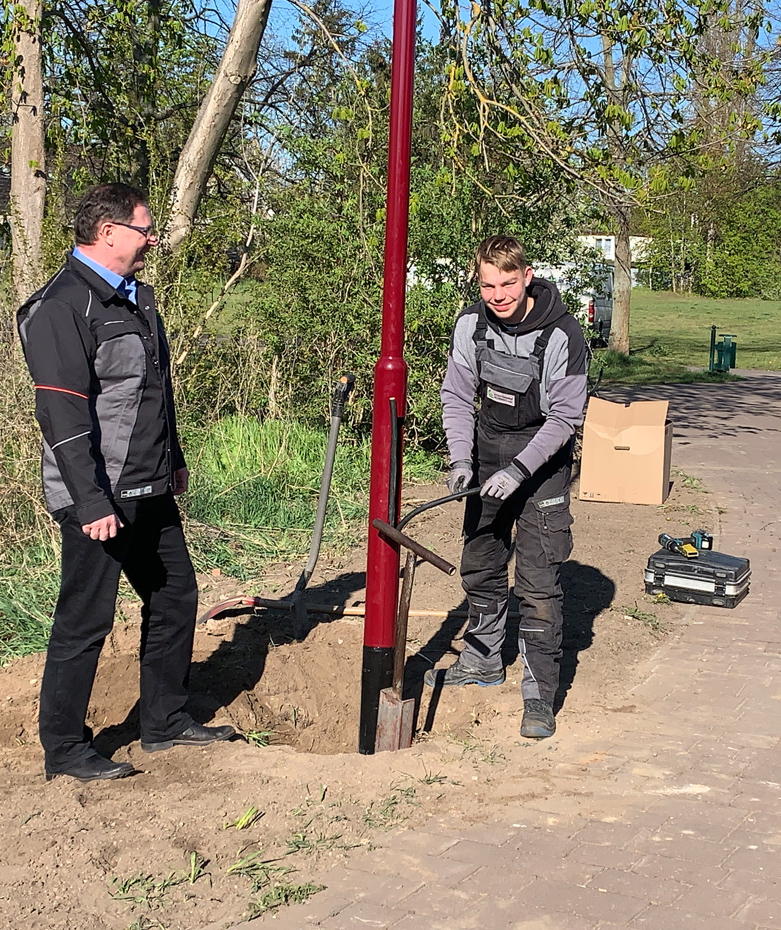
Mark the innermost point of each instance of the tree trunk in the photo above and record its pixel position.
(28, 180)
(214, 115)
(622, 263)
(622, 285)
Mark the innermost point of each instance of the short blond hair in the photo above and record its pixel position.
(504, 252)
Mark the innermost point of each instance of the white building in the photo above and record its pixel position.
(606, 244)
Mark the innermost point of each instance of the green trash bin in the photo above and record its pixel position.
(727, 351)
(722, 354)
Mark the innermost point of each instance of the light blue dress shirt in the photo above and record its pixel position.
(125, 286)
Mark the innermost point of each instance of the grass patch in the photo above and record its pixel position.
(29, 555)
(144, 890)
(479, 750)
(651, 621)
(638, 368)
(255, 486)
(247, 819)
(280, 896)
(259, 738)
(258, 870)
(390, 810)
(25, 614)
(29, 584)
(672, 331)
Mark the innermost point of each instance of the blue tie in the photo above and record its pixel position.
(127, 290)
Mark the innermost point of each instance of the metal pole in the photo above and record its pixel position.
(390, 380)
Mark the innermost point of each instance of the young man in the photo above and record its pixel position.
(112, 463)
(521, 352)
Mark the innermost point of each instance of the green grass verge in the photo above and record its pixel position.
(252, 501)
(255, 486)
(25, 617)
(29, 582)
(671, 332)
(637, 368)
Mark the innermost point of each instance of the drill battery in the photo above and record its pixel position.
(701, 539)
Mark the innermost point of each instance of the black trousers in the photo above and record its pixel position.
(151, 551)
(540, 515)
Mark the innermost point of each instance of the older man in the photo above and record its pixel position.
(112, 463)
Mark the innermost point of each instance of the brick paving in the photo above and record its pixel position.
(686, 832)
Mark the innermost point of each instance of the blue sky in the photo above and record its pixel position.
(378, 14)
(382, 11)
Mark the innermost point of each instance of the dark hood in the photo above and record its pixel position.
(548, 307)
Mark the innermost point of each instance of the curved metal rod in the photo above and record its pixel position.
(440, 500)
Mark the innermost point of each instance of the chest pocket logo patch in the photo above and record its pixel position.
(500, 397)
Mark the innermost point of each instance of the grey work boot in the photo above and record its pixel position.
(459, 674)
(538, 720)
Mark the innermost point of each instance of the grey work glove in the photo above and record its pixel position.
(503, 483)
(460, 476)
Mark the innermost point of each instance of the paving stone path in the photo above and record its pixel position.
(686, 834)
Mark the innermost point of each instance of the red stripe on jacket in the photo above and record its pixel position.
(46, 387)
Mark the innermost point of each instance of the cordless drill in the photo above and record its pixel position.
(682, 546)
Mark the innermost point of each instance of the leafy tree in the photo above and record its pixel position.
(317, 309)
(721, 240)
(124, 81)
(603, 89)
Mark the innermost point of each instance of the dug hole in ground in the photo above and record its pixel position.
(201, 834)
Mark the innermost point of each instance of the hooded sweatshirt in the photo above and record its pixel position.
(562, 384)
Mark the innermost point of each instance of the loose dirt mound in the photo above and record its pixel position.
(132, 853)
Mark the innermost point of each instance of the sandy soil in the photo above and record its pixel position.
(163, 849)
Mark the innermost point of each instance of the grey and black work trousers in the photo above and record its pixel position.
(150, 549)
(540, 515)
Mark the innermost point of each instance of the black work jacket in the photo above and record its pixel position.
(104, 401)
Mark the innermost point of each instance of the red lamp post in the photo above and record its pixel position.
(390, 381)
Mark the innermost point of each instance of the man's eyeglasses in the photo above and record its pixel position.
(147, 231)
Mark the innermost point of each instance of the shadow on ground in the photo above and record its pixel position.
(730, 406)
(587, 592)
(237, 664)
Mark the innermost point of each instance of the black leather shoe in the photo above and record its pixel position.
(194, 735)
(96, 768)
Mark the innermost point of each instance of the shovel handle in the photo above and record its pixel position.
(402, 540)
(342, 392)
(402, 620)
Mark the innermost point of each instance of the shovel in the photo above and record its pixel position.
(296, 603)
(396, 716)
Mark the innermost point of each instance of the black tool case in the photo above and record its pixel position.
(712, 578)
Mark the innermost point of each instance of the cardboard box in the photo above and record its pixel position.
(626, 452)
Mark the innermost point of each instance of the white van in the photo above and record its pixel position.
(589, 293)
